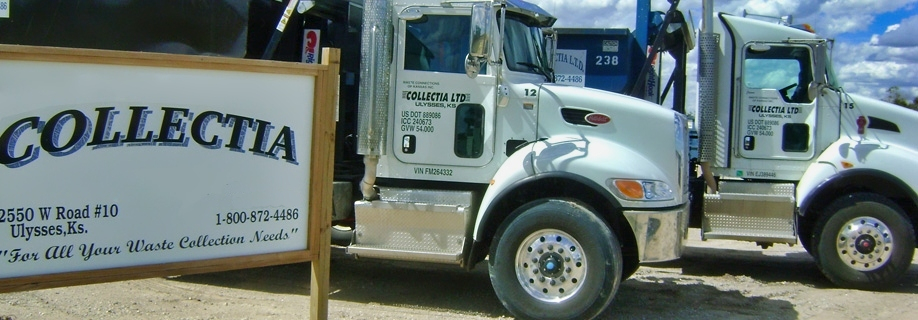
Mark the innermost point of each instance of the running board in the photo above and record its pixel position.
(403, 255)
(412, 225)
(750, 211)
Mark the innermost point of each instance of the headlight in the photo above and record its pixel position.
(645, 190)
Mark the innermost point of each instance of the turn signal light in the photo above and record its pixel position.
(630, 188)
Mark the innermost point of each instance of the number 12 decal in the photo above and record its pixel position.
(529, 92)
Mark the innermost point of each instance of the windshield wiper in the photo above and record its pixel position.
(538, 69)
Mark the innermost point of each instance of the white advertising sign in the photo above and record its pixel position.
(311, 45)
(570, 67)
(105, 166)
(610, 46)
(4, 9)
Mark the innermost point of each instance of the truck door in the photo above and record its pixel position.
(776, 117)
(441, 116)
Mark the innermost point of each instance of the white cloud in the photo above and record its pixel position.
(901, 34)
(876, 71)
(870, 70)
(591, 13)
(598, 13)
(841, 16)
(776, 7)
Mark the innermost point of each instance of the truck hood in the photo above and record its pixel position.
(889, 122)
(582, 96)
(619, 136)
(571, 104)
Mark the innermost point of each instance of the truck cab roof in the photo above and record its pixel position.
(543, 18)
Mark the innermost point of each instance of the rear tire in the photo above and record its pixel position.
(555, 260)
(342, 235)
(864, 241)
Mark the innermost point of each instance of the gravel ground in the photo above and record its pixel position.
(714, 279)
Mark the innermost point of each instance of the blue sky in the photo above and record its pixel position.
(882, 22)
(876, 41)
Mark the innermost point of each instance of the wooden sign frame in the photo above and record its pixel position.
(321, 169)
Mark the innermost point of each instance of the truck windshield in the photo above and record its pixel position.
(523, 48)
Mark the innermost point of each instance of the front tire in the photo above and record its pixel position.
(864, 241)
(555, 260)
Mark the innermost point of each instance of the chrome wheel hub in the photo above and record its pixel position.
(550, 265)
(864, 243)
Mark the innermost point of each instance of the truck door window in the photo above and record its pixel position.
(523, 47)
(783, 68)
(775, 110)
(437, 43)
(469, 138)
(796, 137)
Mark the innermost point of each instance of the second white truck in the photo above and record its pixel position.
(788, 155)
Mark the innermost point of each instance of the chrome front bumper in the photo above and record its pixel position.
(660, 235)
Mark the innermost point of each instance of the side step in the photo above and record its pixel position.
(751, 211)
(412, 225)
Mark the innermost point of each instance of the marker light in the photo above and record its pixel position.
(805, 27)
(808, 27)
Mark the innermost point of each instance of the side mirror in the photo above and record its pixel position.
(479, 37)
(820, 70)
(549, 46)
(472, 66)
(812, 90)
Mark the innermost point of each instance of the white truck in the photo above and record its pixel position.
(471, 152)
(798, 158)
(462, 148)
(787, 155)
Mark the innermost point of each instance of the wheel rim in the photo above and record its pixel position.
(864, 243)
(550, 265)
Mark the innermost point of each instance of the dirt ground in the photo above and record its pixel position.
(714, 279)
